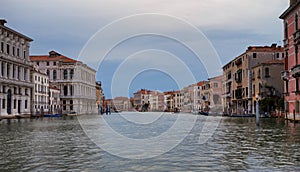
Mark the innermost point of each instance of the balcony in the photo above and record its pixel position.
(297, 37)
(285, 75)
(295, 71)
(238, 62)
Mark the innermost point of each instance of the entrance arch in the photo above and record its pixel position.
(9, 101)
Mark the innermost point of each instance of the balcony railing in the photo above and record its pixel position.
(295, 71)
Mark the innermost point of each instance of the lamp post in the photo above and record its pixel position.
(257, 110)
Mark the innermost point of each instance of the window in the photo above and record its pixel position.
(71, 104)
(3, 103)
(26, 91)
(247, 91)
(15, 103)
(65, 90)
(297, 107)
(277, 55)
(54, 63)
(71, 73)
(267, 72)
(65, 74)
(54, 75)
(15, 90)
(20, 91)
(71, 90)
(48, 73)
(38, 63)
(26, 102)
(18, 52)
(35, 78)
(258, 75)
(64, 105)
(7, 48)
(254, 55)
(3, 89)
(13, 51)
(287, 86)
(47, 63)
(13, 66)
(254, 90)
(24, 54)
(216, 85)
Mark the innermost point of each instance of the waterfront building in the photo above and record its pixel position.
(142, 100)
(99, 95)
(54, 99)
(15, 85)
(291, 72)
(267, 84)
(121, 103)
(156, 101)
(75, 80)
(40, 92)
(237, 78)
(173, 101)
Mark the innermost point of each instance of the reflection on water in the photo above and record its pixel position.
(60, 145)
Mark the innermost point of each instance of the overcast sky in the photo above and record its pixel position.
(67, 26)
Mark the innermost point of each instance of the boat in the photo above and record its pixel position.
(53, 115)
(203, 113)
(242, 115)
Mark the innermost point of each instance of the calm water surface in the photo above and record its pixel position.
(237, 145)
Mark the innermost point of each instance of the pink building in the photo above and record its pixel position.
(292, 62)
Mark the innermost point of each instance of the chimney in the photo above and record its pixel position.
(2, 22)
(292, 2)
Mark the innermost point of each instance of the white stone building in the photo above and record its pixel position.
(41, 92)
(54, 100)
(15, 84)
(75, 80)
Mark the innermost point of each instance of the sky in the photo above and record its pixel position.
(159, 45)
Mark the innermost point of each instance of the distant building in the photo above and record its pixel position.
(291, 73)
(54, 100)
(156, 100)
(75, 80)
(121, 103)
(41, 92)
(142, 100)
(237, 77)
(16, 86)
(267, 84)
(173, 101)
(99, 95)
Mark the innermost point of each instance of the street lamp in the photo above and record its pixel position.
(257, 110)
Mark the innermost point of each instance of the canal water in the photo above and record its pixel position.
(60, 144)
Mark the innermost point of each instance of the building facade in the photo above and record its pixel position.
(121, 104)
(75, 80)
(15, 84)
(291, 73)
(267, 84)
(142, 100)
(54, 100)
(40, 92)
(99, 95)
(237, 77)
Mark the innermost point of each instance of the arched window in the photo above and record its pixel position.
(267, 72)
(65, 90)
(71, 73)
(54, 75)
(65, 74)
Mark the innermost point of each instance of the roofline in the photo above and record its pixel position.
(291, 8)
(18, 33)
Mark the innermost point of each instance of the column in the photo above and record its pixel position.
(5, 70)
(16, 72)
(1, 74)
(27, 75)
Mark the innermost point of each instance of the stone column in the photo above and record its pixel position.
(27, 75)
(10, 71)
(16, 72)
(1, 74)
(5, 70)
